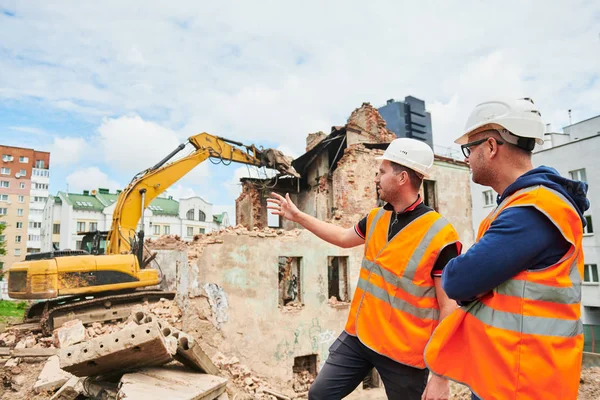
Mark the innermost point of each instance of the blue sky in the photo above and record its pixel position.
(111, 88)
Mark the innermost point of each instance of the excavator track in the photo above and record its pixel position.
(106, 307)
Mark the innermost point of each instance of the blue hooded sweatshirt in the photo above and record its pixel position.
(520, 238)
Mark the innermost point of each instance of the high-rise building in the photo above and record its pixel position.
(24, 180)
(408, 118)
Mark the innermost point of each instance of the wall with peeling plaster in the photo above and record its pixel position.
(242, 275)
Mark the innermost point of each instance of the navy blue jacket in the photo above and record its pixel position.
(520, 238)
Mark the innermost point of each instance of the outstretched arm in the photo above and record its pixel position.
(342, 237)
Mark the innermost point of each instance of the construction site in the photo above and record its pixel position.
(247, 312)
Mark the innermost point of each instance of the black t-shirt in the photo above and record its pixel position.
(400, 220)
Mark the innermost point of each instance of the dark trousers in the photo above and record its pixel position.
(350, 361)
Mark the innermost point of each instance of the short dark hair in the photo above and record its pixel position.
(415, 179)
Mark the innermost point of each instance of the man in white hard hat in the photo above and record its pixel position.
(518, 333)
(398, 300)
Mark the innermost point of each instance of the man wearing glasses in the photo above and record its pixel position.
(517, 334)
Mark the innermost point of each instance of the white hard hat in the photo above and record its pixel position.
(514, 119)
(410, 153)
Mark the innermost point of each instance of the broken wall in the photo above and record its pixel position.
(242, 273)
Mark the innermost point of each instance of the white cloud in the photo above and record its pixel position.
(28, 129)
(90, 178)
(234, 187)
(260, 73)
(66, 151)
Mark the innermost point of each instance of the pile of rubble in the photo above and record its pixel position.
(147, 353)
(196, 247)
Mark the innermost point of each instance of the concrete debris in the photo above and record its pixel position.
(70, 333)
(196, 248)
(127, 349)
(70, 390)
(191, 354)
(52, 376)
(302, 381)
(171, 382)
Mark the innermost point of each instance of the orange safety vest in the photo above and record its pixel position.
(394, 309)
(524, 340)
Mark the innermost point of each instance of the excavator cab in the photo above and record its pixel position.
(94, 242)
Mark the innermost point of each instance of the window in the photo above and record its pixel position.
(56, 228)
(40, 164)
(80, 226)
(305, 369)
(190, 231)
(190, 214)
(3, 197)
(23, 172)
(7, 158)
(167, 229)
(33, 238)
(591, 334)
(429, 196)
(578, 175)
(21, 185)
(35, 225)
(93, 226)
(23, 159)
(3, 211)
(289, 281)
(19, 212)
(41, 186)
(488, 198)
(78, 245)
(18, 239)
(589, 227)
(201, 230)
(590, 273)
(5, 171)
(39, 199)
(19, 225)
(4, 184)
(201, 215)
(156, 229)
(17, 252)
(21, 199)
(337, 278)
(273, 221)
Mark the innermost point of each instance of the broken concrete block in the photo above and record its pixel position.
(172, 382)
(70, 333)
(70, 390)
(12, 362)
(133, 348)
(191, 354)
(51, 377)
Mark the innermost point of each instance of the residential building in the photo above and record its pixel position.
(24, 180)
(67, 215)
(408, 118)
(573, 153)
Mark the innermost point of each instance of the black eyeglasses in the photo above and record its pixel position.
(466, 148)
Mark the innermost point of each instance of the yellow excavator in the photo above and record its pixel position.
(102, 281)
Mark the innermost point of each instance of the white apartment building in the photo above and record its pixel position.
(574, 154)
(68, 214)
(40, 180)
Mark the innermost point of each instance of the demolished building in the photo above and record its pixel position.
(280, 296)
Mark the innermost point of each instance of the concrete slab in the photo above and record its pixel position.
(173, 382)
(132, 348)
(52, 376)
(191, 354)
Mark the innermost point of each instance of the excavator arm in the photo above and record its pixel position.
(149, 184)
